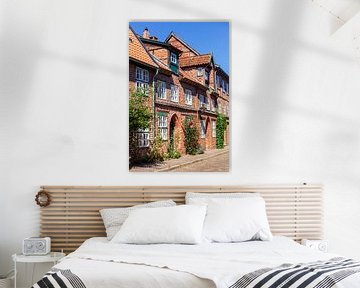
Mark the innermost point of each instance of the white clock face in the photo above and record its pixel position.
(40, 245)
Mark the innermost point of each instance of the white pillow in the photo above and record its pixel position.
(236, 220)
(180, 224)
(204, 198)
(113, 218)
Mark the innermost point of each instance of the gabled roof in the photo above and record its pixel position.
(172, 34)
(138, 52)
(159, 43)
(195, 60)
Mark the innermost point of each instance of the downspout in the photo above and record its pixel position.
(153, 104)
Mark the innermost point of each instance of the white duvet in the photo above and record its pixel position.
(100, 263)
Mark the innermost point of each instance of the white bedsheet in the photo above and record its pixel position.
(102, 264)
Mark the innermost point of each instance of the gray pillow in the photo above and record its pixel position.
(113, 218)
(203, 198)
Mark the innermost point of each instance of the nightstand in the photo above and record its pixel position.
(53, 257)
(320, 245)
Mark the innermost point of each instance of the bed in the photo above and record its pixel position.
(293, 210)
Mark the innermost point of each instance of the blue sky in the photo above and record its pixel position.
(205, 37)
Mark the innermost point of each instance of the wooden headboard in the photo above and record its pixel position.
(73, 214)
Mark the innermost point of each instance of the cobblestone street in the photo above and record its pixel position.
(211, 161)
(219, 163)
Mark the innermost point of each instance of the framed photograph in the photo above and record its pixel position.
(179, 96)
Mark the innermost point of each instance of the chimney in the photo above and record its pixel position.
(146, 33)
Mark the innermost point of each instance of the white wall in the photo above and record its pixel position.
(63, 81)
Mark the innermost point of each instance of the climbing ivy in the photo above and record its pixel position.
(139, 111)
(139, 119)
(191, 137)
(220, 130)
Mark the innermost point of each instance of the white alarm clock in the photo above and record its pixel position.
(320, 245)
(36, 246)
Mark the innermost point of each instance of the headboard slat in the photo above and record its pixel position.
(73, 216)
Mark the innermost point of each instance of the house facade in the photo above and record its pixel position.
(181, 84)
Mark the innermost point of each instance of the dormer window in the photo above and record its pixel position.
(173, 58)
(200, 71)
(174, 62)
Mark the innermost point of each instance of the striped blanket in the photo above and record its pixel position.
(320, 274)
(59, 278)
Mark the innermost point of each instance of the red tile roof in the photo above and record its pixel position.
(138, 52)
(195, 60)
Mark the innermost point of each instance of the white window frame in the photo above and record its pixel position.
(202, 100)
(213, 105)
(213, 123)
(173, 58)
(207, 103)
(202, 129)
(142, 75)
(142, 86)
(174, 93)
(200, 71)
(161, 89)
(143, 138)
(163, 126)
(188, 97)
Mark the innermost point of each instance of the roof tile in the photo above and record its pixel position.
(195, 60)
(137, 51)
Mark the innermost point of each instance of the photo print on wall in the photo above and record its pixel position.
(179, 96)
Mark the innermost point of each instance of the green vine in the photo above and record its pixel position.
(220, 130)
(139, 111)
(191, 136)
(139, 119)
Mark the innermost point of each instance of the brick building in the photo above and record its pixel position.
(180, 82)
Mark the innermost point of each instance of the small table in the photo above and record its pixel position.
(53, 257)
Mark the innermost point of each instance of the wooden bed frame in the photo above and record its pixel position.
(73, 214)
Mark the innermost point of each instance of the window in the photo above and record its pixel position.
(142, 80)
(207, 103)
(188, 97)
(173, 58)
(141, 86)
(223, 84)
(174, 93)
(200, 71)
(206, 75)
(213, 129)
(162, 124)
(202, 100)
(142, 75)
(226, 87)
(202, 128)
(217, 81)
(161, 90)
(213, 105)
(143, 138)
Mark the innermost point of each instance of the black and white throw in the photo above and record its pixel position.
(59, 278)
(319, 274)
